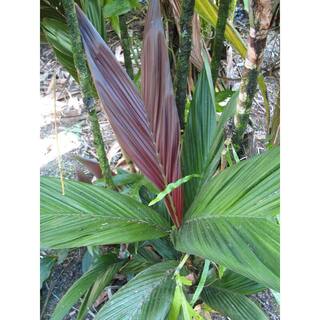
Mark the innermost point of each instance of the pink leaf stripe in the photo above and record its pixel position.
(150, 145)
(159, 100)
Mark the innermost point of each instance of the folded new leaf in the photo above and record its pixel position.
(149, 134)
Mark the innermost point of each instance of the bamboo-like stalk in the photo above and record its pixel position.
(86, 87)
(182, 70)
(275, 128)
(125, 42)
(260, 18)
(54, 96)
(219, 37)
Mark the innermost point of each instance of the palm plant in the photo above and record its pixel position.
(212, 240)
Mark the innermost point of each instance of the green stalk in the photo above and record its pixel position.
(219, 37)
(125, 42)
(181, 264)
(182, 70)
(86, 87)
(232, 9)
(275, 128)
(260, 18)
(201, 283)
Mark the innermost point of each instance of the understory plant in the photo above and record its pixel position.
(187, 237)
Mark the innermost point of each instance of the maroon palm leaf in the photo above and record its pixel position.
(148, 130)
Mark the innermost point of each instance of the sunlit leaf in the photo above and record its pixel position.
(232, 221)
(90, 215)
(171, 186)
(209, 12)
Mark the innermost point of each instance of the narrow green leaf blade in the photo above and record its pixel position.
(94, 11)
(165, 248)
(276, 296)
(146, 296)
(218, 142)
(100, 283)
(204, 159)
(232, 221)
(78, 289)
(57, 35)
(199, 132)
(246, 5)
(201, 283)
(118, 7)
(90, 215)
(209, 12)
(233, 305)
(46, 265)
(236, 283)
(171, 186)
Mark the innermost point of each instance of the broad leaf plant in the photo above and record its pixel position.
(209, 241)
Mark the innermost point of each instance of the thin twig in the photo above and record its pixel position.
(181, 264)
(53, 87)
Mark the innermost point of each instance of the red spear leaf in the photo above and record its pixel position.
(149, 135)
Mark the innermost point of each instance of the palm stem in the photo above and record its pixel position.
(125, 42)
(182, 70)
(219, 37)
(260, 18)
(86, 87)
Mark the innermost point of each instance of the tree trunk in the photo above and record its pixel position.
(86, 87)
(260, 18)
(182, 71)
(219, 38)
(125, 42)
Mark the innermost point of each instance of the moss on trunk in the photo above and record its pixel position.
(260, 18)
(86, 87)
(219, 37)
(125, 42)
(182, 70)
